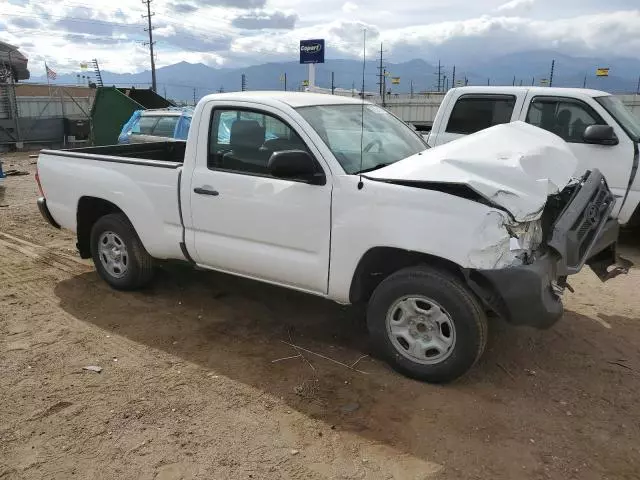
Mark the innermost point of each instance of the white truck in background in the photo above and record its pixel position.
(339, 198)
(601, 132)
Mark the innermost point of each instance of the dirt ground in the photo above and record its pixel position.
(191, 387)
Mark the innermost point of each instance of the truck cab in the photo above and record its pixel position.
(600, 131)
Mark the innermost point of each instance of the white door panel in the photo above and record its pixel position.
(273, 229)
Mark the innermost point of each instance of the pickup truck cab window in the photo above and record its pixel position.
(385, 138)
(473, 113)
(566, 117)
(242, 141)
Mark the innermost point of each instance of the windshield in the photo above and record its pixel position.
(385, 140)
(627, 120)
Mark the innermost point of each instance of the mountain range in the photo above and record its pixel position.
(183, 81)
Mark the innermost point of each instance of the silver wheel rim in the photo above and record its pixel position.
(113, 254)
(421, 330)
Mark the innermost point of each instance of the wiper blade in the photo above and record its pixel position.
(375, 167)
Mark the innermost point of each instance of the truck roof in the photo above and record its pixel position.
(293, 99)
(535, 90)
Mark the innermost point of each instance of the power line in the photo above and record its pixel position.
(151, 43)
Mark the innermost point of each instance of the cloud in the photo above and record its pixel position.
(182, 7)
(616, 33)
(236, 3)
(516, 6)
(182, 37)
(349, 7)
(24, 22)
(89, 39)
(258, 20)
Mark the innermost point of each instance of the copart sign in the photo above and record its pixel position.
(312, 51)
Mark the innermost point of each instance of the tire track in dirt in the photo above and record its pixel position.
(58, 260)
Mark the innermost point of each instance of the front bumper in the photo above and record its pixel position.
(525, 294)
(44, 211)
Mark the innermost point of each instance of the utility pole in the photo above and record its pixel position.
(353, 89)
(194, 96)
(384, 86)
(488, 81)
(381, 74)
(553, 64)
(333, 85)
(638, 87)
(533, 81)
(411, 88)
(453, 77)
(584, 82)
(221, 89)
(520, 82)
(151, 42)
(513, 84)
(285, 81)
(439, 76)
(243, 83)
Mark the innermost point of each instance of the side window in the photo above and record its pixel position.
(566, 118)
(473, 113)
(145, 125)
(243, 141)
(166, 126)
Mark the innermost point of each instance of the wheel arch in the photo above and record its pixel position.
(380, 262)
(89, 211)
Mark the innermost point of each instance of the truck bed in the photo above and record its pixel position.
(159, 154)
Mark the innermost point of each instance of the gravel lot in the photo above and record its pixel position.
(190, 387)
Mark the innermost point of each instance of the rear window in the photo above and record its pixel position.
(473, 113)
(145, 125)
(166, 126)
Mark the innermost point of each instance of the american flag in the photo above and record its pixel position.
(50, 73)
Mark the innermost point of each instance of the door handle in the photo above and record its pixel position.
(204, 191)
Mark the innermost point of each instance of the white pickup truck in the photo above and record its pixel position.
(599, 129)
(339, 198)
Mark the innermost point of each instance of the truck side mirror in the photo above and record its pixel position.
(600, 135)
(295, 165)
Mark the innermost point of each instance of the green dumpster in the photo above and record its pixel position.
(113, 106)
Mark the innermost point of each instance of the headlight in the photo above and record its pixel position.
(525, 236)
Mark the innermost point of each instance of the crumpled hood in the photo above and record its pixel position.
(515, 165)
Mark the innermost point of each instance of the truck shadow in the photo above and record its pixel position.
(237, 328)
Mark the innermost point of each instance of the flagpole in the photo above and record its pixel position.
(46, 72)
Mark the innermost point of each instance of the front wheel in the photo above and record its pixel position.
(427, 324)
(118, 254)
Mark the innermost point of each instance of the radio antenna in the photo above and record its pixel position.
(364, 63)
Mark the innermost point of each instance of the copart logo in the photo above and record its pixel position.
(311, 48)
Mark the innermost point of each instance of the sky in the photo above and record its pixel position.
(235, 33)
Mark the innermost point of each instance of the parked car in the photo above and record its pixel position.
(306, 192)
(599, 129)
(164, 124)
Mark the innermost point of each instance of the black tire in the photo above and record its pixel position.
(462, 307)
(139, 268)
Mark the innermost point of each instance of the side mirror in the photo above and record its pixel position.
(600, 135)
(295, 165)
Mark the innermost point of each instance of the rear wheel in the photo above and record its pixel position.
(118, 253)
(427, 324)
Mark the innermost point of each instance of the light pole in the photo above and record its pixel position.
(14, 99)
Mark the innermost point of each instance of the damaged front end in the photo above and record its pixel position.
(574, 229)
